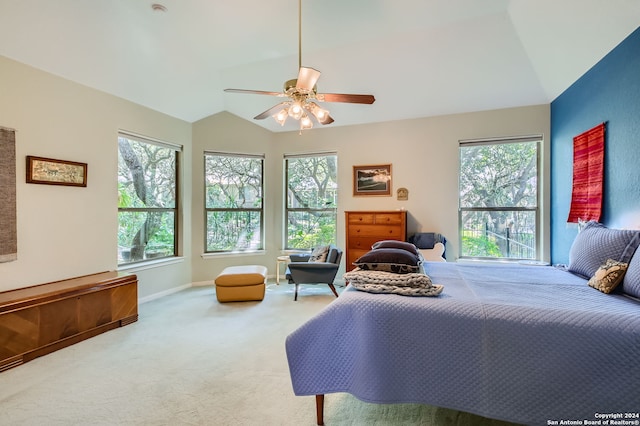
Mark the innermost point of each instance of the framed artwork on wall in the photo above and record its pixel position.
(49, 171)
(372, 180)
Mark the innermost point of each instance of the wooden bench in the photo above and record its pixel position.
(40, 319)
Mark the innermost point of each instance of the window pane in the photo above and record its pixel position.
(233, 182)
(233, 190)
(499, 175)
(311, 228)
(147, 181)
(146, 175)
(234, 230)
(312, 199)
(312, 182)
(498, 199)
(500, 234)
(145, 235)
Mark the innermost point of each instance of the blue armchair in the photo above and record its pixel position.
(301, 271)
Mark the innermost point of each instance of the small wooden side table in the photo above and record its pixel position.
(279, 260)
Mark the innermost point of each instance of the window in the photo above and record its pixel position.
(147, 194)
(498, 214)
(311, 207)
(234, 208)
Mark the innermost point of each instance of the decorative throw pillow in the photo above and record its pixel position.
(395, 244)
(608, 276)
(394, 260)
(597, 243)
(319, 254)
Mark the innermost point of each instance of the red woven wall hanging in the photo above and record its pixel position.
(588, 175)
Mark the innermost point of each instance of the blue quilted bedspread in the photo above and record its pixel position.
(526, 344)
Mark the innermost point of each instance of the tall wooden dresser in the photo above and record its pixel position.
(364, 228)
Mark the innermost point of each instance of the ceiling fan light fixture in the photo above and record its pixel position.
(301, 92)
(305, 122)
(296, 110)
(281, 116)
(320, 113)
(290, 85)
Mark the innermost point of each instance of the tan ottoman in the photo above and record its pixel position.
(241, 283)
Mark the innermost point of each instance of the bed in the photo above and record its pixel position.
(525, 344)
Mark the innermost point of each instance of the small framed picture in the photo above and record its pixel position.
(372, 180)
(49, 171)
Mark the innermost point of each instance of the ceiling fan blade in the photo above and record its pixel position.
(345, 97)
(307, 78)
(270, 111)
(254, 92)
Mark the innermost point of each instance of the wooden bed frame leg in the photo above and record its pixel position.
(320, 409)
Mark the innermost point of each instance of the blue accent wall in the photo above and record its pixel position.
(609, 92)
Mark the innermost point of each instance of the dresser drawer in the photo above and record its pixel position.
(355, 218)
(382, 232)
(362, 243)
(365, 228)
(388, 218)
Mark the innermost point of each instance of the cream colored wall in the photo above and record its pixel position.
(66, 231)
(424, 157)
(226, 132)
(63, 231)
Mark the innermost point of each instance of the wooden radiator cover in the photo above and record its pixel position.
(40, 319)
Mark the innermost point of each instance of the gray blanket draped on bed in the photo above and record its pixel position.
(525, 344)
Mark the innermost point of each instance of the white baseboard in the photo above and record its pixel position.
(163, 293)
(208, 283)
(202, 283)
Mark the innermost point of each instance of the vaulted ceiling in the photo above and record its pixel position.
(418, 57)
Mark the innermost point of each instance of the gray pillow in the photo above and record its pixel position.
(631, 280)
(596, 243)
(395, 244)
(394, 260)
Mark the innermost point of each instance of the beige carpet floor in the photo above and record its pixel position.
(190, 360)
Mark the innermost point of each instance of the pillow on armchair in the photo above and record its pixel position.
(319, 254)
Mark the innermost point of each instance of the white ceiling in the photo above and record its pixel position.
(418, 57)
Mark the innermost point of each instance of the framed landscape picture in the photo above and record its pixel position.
(372, 180)
(56, 172)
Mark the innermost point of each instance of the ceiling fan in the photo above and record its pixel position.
(302, 94)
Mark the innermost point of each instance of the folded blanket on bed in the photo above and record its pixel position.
(412, 284)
